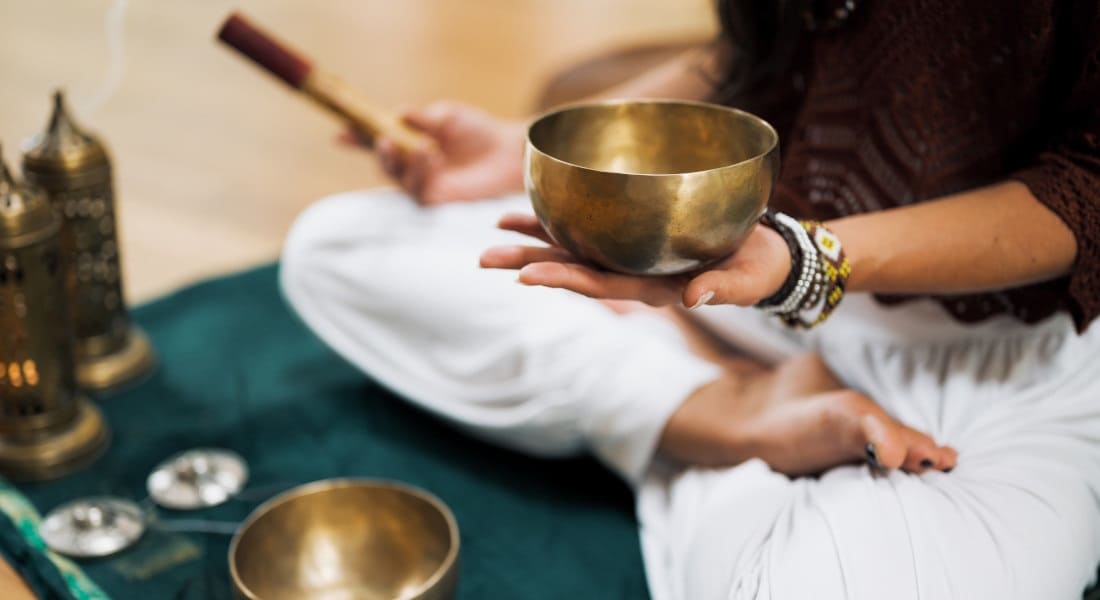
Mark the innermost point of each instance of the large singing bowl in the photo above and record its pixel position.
(650, 187)
(347, 539)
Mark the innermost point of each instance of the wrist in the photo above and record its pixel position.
(783, 276)
(818, 275)
(864, 263)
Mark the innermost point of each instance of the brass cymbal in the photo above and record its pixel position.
(93, 527)
(197, 478)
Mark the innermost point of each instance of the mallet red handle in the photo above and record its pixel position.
(323, 87)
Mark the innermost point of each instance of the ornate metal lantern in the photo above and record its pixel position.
(73, 168)
(46, 428)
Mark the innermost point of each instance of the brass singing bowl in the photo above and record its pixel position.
(347, 539)
(650, 187)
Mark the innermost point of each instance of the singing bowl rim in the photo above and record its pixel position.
(757, 120)
(325, 485)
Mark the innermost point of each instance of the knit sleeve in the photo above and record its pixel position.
(1066, 176)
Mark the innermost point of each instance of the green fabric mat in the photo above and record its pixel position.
(239, 371)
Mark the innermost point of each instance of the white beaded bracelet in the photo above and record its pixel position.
(808, 267)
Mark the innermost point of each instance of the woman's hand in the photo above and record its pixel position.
(754, 272)
(475, 155)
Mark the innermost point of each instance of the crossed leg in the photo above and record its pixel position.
(397, 291)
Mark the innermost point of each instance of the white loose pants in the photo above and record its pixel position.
(396, 289)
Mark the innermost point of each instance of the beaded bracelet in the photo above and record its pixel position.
(768, 220)
(803, 266)
(834, 267)
(819, 272)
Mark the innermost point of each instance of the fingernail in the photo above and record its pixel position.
(526, 270)
(872, 456)
(927, 463)
(706, 297)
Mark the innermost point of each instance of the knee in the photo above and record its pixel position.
(933, 534)
(330, 228)
(309, 236)
(342, 218)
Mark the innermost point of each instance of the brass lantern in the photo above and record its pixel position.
(73, 169)
(46, 428)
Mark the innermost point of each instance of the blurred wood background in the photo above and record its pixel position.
(213, 159)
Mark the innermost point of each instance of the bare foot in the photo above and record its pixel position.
(799, 419)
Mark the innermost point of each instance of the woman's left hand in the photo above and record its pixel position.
(754, 272)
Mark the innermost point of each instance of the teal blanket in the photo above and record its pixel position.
(239, 371)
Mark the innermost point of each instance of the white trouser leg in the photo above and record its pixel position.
(1017, 519)
(396, 289)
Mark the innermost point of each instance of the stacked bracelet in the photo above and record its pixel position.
(773, 301)
(819, 272)
(834, 266)
(804, 279)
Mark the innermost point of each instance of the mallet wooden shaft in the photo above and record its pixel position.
(325, 88)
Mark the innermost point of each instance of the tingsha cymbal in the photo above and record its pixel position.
(92, 527)
(197, 478)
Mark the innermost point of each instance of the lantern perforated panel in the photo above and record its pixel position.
(73, 169)
(46, 428)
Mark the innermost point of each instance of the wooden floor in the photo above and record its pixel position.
(214, 159)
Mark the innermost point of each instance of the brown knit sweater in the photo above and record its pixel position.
(909, 101)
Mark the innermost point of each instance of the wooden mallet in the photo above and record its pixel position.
(368, 120)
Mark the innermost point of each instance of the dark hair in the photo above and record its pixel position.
(758, 43)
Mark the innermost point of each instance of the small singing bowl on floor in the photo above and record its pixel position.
(347, 539)
(650, 187)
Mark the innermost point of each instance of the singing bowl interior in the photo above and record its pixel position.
(347, 539)
(650, 187)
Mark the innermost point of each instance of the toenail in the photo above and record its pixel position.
(927, 463)
(872, 456)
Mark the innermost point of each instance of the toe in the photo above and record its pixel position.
(922, 455)
(885, 441)
(893, 445)
(948, 458)
(942, 458)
